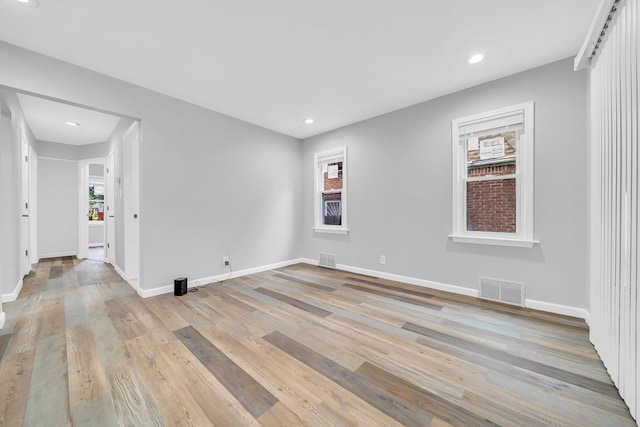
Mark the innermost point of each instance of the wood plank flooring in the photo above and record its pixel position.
(295, 346)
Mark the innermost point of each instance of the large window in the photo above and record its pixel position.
(492, 157)
(331, 191)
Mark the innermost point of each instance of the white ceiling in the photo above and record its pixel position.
(47, 122)
(275, 63)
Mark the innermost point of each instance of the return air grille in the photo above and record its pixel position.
(327, 260)
(502, 291)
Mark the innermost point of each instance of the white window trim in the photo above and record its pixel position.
(318, 159)
(524, 179)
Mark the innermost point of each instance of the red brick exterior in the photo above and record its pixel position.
(332, 183)
(491, 205)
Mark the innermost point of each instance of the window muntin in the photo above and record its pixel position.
(331, 177)
(492, 176)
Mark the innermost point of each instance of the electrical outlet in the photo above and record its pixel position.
(225, 260)
(383, 259)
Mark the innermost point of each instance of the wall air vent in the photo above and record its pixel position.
(327, 260)
(502, 291)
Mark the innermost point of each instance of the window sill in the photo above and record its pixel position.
(495, 241)
(331, 230)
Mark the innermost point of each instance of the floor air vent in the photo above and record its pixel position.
(502, 291)
(327, 260)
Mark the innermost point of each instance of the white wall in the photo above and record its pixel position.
(211, 185)
(96, 169)
(115, 144)
(9, 191)
(96, 234)
(400, 190)
(58, 204)
(10, 185)
(71, 152)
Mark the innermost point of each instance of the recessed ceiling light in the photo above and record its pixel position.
(309, 121)
(23, 1)
(72, 123)
(476, 58)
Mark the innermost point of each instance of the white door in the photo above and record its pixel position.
(132, 204)
(83, 209)
(33, 207)
(110, 188)
(25, 266)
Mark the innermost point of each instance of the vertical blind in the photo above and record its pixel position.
(615, 195)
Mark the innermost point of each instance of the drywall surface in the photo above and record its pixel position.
(399, 184)
(71, 152)
(211, 185)
(12, 127)
(58, 207)
(96, 169)
(116, 146)
(9, 196)
(96, 234)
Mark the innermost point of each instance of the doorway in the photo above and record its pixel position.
(95, 191)
(85, 151)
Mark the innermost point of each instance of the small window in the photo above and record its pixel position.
(492, 156)
(96, 199)
(331, 191)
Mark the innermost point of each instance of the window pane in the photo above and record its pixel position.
(332, 208)
(491, 205)
(332, 173)
(492, 155)
(96, 203)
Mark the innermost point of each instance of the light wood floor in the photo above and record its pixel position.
(295, 346)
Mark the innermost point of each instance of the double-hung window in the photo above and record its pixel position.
(492, 162)
(331, 191)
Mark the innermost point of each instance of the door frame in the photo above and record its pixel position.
(83, 203)
(25, 160)
(131, 178)
(110, 211)
(34, 256)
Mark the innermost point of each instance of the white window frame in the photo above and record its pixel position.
(330, 156)
(523, 237)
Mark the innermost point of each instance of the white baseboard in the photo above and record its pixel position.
(14, 294)
(537, 305)
(57, 255)
(565, 310)
(146, 293)
(119, 271)
(2, 318)
(534, 304)
(134, 283)
(403, 279)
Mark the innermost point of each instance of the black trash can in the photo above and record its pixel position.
(180, 286)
